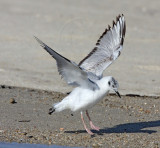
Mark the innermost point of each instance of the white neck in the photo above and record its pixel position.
(103, 84)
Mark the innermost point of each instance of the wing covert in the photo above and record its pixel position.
(69, 71)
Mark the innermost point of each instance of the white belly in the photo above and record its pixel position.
(82, 99)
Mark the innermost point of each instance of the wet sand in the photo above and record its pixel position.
(132, 121)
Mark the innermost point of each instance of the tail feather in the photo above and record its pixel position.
(51, 110)
(61, 106)
(57, 107)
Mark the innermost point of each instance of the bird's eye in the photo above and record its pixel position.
(109, 83)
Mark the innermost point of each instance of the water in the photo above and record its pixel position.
(25, 145)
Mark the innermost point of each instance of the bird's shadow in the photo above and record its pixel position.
(137, 127)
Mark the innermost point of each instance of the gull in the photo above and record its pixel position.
(87, 76)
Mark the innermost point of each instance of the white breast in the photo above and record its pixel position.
(82, 99)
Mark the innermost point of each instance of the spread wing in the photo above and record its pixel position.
(70, 71)
(108, 48)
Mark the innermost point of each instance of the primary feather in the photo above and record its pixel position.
(107, 49)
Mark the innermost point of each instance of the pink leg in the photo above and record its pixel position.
(91, 123)
(88, 131)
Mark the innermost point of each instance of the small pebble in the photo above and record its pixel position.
(1, 131)
(12, 101)
(30, 136)
(24, 133)
(61, 129)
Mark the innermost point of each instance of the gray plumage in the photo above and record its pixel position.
(70, 71)
(90, 69)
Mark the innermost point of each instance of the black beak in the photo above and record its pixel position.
(118, 93)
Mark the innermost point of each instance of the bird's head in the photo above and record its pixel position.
(113, 85)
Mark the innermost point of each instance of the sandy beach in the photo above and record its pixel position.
(30, 83)
(132, 121)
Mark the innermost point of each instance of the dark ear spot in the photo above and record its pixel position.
(109, 83)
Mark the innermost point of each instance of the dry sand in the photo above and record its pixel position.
(132, 121)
